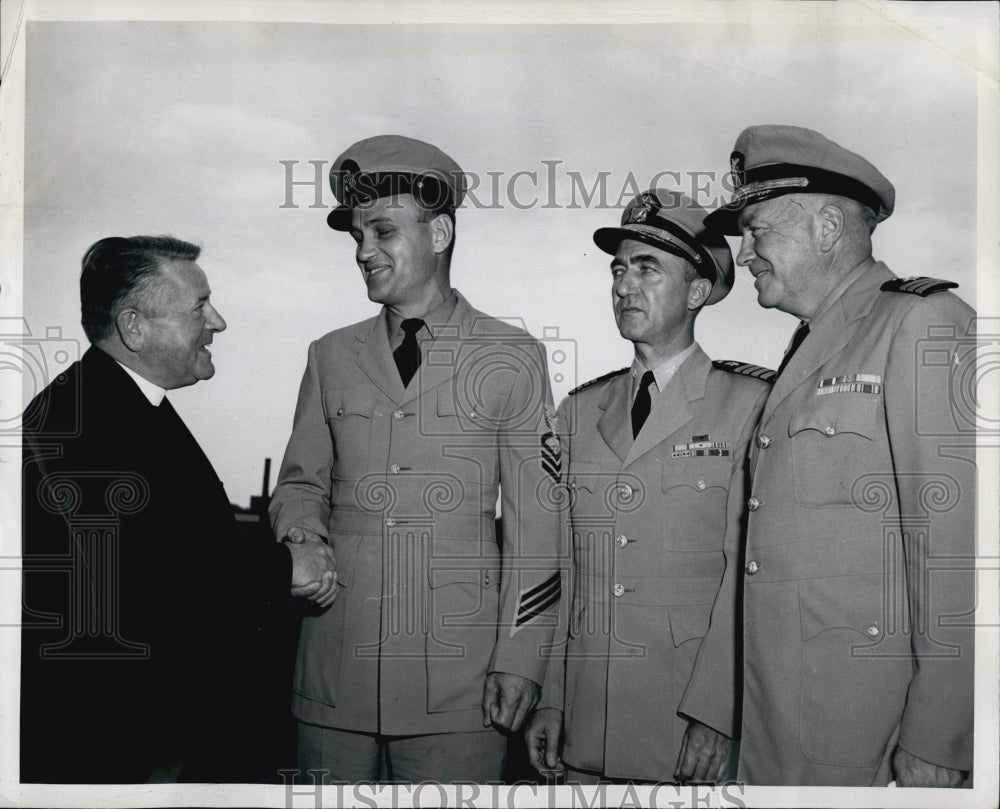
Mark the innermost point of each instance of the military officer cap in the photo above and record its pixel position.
(772, 160)
(388, 165)
(673, 222)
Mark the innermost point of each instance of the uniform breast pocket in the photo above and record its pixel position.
(833, 445)
(596, 493)
(461, 412)
(695, 494)
(348, 416)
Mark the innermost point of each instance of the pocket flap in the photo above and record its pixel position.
(689, 621)
(696, 474)
(457, 560)
(590, 476)
(483, 576)
(842, 602)
(838, 413)
(484, 406)
(340, 402)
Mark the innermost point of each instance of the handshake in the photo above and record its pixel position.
(314, 568)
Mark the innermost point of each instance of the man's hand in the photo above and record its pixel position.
(915, 772)
(542, 737)
(704, 756)
(507, 699)
(314, 568)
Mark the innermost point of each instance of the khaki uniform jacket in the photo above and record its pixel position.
(858, 575)
(404, 484)
(650, 519)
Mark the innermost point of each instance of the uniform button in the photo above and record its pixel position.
(572, 485)
(763, 441)
(472, 414)
(830, 430)
(486, 579)
(618, 589)
(397, 414)
(873, 630)
(390, 522)
(394, 468)
(625, 491)
(752, 567)
(700, 484)
(340, 411)
(621, 540)
(753, 504)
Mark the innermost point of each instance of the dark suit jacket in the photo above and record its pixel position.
(140, 607)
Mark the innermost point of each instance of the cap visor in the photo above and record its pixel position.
(608, 239)
(340, 218)
(725, 220)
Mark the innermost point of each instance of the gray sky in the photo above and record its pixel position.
(179, 127)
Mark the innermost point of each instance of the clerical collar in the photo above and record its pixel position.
(438, 316)
(150, 390)
(662, 373)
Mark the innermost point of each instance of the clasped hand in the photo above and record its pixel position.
(314, 568)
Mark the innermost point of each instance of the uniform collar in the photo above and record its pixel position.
(842, 286)
(434, 319)
(662, 373)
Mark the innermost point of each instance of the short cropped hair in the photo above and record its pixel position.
(119, 272)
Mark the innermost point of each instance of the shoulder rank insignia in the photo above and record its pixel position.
(917, 286)
(586, 385)
(745, 369)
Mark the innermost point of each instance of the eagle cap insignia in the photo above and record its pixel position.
(642, 207)
(737, 169)
(348, 181)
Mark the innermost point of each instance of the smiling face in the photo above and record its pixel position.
(400, 255)
(779, 246)
(652, 292)
(174, 349)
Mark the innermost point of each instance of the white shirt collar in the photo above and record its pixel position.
(150, 390)
(662, 373)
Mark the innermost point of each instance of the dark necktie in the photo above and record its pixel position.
(800, 334)
(642, 403)
(407, 356)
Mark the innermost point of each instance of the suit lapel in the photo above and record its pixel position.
(183, 444)
(375, 359)
(615, 423)
(672, 408)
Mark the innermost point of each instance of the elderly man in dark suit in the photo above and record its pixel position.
(140, 603)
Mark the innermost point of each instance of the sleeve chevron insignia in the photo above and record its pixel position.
(534, 602)
(602, 378)
(918, 286)
(745, 369)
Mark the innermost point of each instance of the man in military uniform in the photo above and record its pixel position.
(408, 425)
(859, 588)
(656, 484)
